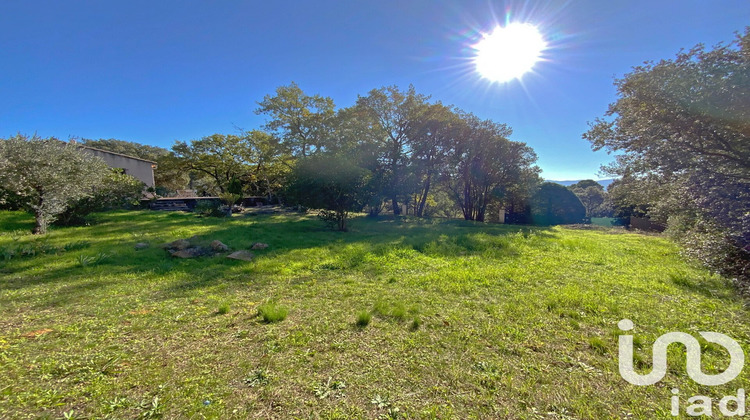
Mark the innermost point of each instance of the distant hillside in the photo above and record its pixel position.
(604, 182)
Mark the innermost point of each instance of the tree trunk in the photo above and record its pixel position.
(40, 226)
(396, 208)
(342, 221)
(423, 199)
(467, 207)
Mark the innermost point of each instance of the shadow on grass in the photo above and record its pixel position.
(115, 234)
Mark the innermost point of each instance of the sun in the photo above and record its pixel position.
(509, 51)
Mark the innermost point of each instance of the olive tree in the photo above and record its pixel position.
(48, 175)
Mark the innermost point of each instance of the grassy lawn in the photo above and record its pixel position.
(396, 319)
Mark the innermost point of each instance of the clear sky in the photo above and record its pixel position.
(159, 71)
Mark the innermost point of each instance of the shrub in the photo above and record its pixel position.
(332, 183)
(116, 191)
(223, 309)
(209, 208)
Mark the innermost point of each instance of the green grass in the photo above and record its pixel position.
(272, 312)
(473, 320)
(363, 319)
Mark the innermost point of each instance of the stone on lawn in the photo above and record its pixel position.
(142, 245)
(190, 252)
(241, 255)
(259, 245)
(179, 244)
(219, 246)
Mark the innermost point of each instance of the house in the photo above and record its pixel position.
(138, 168)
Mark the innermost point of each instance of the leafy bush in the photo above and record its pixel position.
(116, 191)
(332, 183)
(209, 208)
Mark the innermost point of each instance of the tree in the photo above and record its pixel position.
(554, 204)
(270, 164)
(391, 114)
(303, 122)
(129, 148)
(486, 166)
(48, 174)
(332, 183)
(220, 157)
(117, 190)
(433, 135)
(682, 129)
(592, 196)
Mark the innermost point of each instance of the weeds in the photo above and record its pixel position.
(363, 319)
(416, 323)
(38, 248)
(151, 409)
(272, 312)
(329, 388)
(258, 377)
(87, 260)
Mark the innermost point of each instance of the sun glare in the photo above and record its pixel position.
(509, 52)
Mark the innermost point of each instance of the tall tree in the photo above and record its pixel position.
(302, 121)
(685, 124)
(433, 135)
(218, 156)
(391, 114)
(48, 175)
(592, 196)
(269, 164)
(487, 166)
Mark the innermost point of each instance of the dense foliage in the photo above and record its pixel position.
(331, 183)
(46, 176)
(593, 197)
(424, 157)
(554, 204)
(116, 190)
(682, 130)
(420, 157)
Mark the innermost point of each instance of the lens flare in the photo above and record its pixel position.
(509, 51)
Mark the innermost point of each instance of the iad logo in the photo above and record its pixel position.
(737, 357)
(701, 405)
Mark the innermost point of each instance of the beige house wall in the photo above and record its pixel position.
(138, 168)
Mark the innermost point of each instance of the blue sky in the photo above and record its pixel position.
(159, 71)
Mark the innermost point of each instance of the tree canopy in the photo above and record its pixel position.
(332, 183)
(593, 197)
(681, 128)
(554, 204)
(47, 175)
